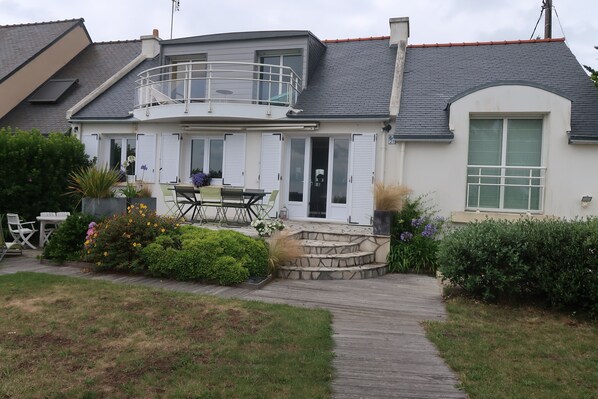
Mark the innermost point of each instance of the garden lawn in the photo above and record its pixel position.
(503, 351)
(64, 337)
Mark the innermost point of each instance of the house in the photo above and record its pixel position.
(498, 129)
(49, 67)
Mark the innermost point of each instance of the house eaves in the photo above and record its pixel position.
(76, 23)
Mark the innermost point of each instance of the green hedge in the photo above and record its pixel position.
(34, 172)
(67, 242)
(554, 260)
(225, 256)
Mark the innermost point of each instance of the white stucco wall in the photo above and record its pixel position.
(252, 144)
(440, 168)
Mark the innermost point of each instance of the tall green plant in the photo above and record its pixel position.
(94, 182)
(34, 171)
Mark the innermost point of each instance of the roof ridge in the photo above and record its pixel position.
(356, 39)
(118, 41)
(504, 42)
(43, 23)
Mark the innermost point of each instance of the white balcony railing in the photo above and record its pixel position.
(217, 82)
(506, 188)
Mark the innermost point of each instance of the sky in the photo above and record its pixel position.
(431, 21)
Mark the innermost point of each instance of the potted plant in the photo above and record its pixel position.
(139, 194)
(388, 199)
(95, 186)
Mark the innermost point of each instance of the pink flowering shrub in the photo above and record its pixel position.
(116, 243)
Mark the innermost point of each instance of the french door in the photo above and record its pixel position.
(318, 178)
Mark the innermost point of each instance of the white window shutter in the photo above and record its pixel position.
(169, 162)
(363, 164)
(92, 145)
(234, 160)
(270, 164)
(146, 155)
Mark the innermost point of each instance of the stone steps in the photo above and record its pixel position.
(329, 247)
(336, 256)
(333, 273)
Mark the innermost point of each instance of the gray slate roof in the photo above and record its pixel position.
(353, 80)
(20, 43)
(118, 100)
(235, 36)
(93, 66)
(435, 75)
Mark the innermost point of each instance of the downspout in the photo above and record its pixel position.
(402, 154)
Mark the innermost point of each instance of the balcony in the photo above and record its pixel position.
(506, 188)
(216, 90)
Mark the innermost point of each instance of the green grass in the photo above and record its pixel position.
(63, 337)
(501, 351)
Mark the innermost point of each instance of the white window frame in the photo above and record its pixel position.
(123, 147)
(206, 155)
(503, 164)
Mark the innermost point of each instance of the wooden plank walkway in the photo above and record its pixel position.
(381, 349)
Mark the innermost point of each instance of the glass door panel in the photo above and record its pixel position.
(319, 177)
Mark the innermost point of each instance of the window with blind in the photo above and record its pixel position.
(504, 170)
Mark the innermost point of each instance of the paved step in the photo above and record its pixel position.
(371, 270)
(326, 236)
(334, 260)
(328, 247)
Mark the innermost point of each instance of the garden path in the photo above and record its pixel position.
(381, 349)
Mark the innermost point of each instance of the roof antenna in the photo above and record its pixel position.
(547, 5)
(176, 6)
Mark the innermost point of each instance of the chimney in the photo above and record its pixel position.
(399, 30)
(399, 33)
(547, 6)
(150, 44)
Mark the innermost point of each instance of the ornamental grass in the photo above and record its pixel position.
(389, 197)
(93, 182)
(281, 249)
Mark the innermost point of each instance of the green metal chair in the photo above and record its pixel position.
(263, 210)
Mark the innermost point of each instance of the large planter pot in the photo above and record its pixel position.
(102, 207)
(382, 222)
(150, 202)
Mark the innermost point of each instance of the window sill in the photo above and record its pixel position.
(474, 216)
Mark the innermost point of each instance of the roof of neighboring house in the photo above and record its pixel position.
(353, 80)
(21, 43)
(92, 67)
(437, 74)
(237, 36)
(118, 100)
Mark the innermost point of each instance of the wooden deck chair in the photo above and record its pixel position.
(20, 231)
(8, 248)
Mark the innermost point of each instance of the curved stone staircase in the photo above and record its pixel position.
(337, 256)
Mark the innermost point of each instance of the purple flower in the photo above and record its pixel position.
(430, 230)
(200, 179)
(417, 222)
(143, 167)
(92, 225)
(406, 236)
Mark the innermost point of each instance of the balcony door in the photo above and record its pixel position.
(274, 80)
(188, 80)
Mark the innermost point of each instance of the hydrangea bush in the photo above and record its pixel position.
(414, 238)
(265, 227)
